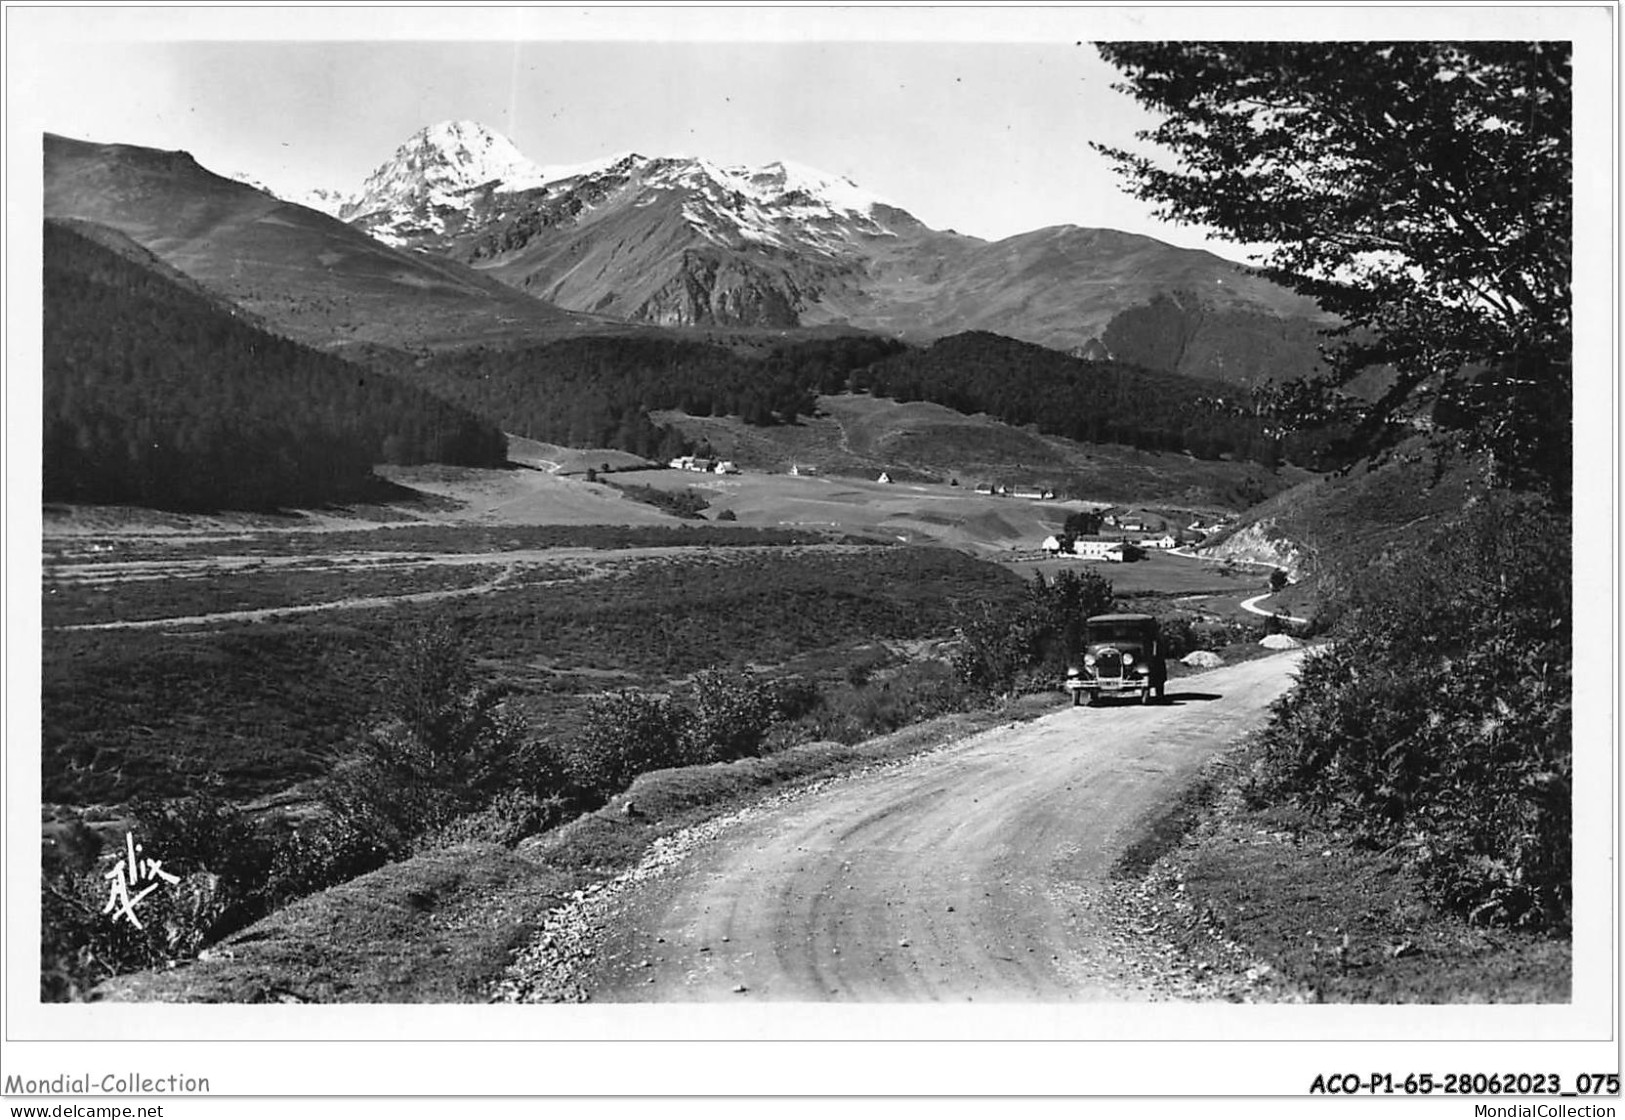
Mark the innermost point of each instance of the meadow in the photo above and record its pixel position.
(856, 435)
(248, 709)
(91, 602)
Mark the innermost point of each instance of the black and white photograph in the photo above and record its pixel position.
(592, 527)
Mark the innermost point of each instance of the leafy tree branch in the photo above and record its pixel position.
(1421, 191)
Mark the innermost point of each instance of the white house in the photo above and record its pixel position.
(725, 466)
(1099, 550)
(884, 477)
(1164, 541)
(1051, 544)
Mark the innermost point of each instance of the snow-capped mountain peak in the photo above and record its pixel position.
(781, 177)
(781, 203)
(777, 184)
(455, 179)
(466, 152)
(558, 173)
(439, 163)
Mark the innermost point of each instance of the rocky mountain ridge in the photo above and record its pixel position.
(683, 241)
(459, 237)
(459, 176)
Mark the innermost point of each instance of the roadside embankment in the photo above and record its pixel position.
(1253, 904)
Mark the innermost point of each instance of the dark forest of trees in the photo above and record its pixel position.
(156, 396)
(598, 392)
(1092, 401)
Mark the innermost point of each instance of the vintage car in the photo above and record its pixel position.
(1122, 655)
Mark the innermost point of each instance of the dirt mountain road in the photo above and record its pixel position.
(968, 873)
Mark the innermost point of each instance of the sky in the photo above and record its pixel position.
(987, 138)
(973, 119)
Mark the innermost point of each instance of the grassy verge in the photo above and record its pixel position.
(428, 930)
(1266, 905)
(441, 927)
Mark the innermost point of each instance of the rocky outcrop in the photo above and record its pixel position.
(721, 292)
(1261, 543)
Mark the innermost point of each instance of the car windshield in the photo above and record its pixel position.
(1118, 632)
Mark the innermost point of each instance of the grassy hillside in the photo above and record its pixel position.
(1096, 400)
(312, 276)
(1179, 332)
(1331, 527)
(1063, 287)
(859, 436)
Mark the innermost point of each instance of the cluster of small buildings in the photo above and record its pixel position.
(1114, 550)
(704, 466)
(1087, 549)
(1113, 541)
(1031, 493)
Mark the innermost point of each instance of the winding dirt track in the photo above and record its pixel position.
(585, 563)
(969, 873)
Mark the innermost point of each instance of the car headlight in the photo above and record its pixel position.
(1128, 659)
(1089, 659)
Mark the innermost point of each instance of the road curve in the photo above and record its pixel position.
(1251, 606)
(968, 873)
